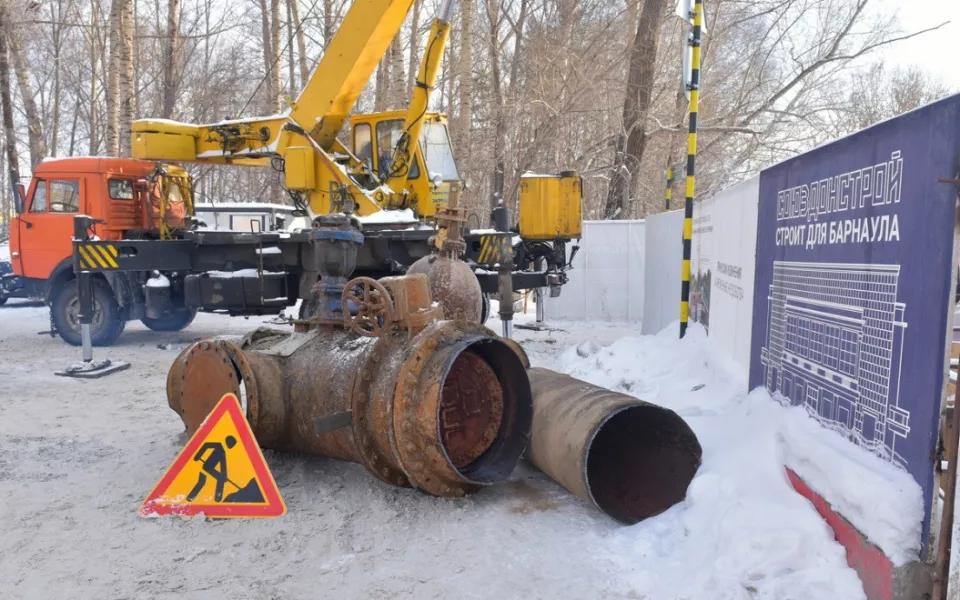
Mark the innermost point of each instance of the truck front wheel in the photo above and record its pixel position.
(107, 322)
(175, 321)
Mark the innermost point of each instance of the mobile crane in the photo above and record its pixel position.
(398, 160)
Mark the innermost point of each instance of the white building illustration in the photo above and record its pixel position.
(834, 345)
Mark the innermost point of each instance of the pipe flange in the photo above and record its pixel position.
(369, 455)
(199, 377)
(251, 388)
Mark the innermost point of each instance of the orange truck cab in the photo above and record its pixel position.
(124, 193)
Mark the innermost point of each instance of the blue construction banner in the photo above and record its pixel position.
(855, 246)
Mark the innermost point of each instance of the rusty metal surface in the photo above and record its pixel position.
(471, 409)
(418, 398)
(367, 307)
(198, 379)
(453, 285)
(413, 307)
(630, 459)
(452, 377)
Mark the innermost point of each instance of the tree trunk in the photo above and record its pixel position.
(464, 73)
(301, 41)
(276, 81)
(170, 82)
(9, 133)
(291, 57)
(499, 116)
(127, 82)
(37, 144)
(632, 139)
(513, 91)
(57, 39)
(135, 55)
(397, 97)
(327, 22)
(73, 127)
(381, 93)
(268, 58)
(413, 65)
(113, 81)
(95, 49)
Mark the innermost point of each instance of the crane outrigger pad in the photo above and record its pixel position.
(93, 369)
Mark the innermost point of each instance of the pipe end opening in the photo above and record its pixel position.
(641, 462)
(485, 411)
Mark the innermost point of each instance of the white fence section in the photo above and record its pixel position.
(664, 255)
(724, 261)
(606, 282)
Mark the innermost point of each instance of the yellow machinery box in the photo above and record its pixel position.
(550, 206)
(300, 172)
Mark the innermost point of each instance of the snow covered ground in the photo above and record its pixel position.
(78, 457)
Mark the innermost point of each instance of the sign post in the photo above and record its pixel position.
(694, 94)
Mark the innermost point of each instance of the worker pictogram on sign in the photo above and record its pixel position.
(220, 472)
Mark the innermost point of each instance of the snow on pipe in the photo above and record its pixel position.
(629, 458)
(447, 410)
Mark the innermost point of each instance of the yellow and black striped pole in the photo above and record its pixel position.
(669, 186)
(691, 167)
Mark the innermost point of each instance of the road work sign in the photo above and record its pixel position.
(220, 472)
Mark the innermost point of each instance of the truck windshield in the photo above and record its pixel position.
(388, 135)
(437, 152)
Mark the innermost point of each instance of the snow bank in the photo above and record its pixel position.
(743, 532)
(852, 480)
(4, 252)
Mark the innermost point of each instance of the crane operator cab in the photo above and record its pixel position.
(430, 172)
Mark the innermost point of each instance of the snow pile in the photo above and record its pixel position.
(4, 252)
(852, 480)
(743, 532)
(243, 273)
(389, 216)
(159, 280)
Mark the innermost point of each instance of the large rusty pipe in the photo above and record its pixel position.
(628, 458)
(447, 411)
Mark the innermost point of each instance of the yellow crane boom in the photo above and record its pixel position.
(305, 135)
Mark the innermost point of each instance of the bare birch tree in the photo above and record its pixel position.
(170, 75)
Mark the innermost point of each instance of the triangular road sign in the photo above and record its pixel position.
(220, 472)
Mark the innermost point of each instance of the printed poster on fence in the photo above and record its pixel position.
(721, 279)
(854, 256)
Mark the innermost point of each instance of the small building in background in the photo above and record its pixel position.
(244, 216)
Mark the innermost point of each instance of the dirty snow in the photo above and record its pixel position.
(78, 457)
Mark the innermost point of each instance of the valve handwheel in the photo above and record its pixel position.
(373, 305)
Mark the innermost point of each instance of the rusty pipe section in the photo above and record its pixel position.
(446, 410)
(629, 458)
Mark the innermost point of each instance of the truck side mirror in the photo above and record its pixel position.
(19, 197)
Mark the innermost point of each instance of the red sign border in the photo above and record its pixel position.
(274, 506)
